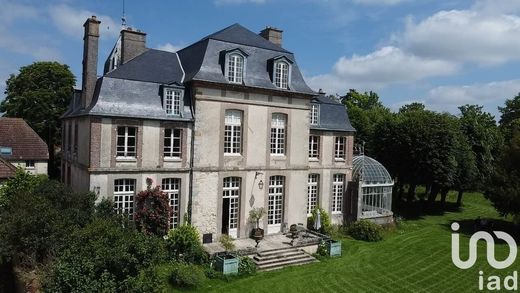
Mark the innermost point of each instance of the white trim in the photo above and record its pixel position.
(182, 68)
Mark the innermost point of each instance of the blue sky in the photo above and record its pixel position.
(442, 53)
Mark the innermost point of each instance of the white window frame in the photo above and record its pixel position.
(313, 189)
(172, 187)
(278, 134)
(235, 67)
(124, 196)
(338, 187)
(275, 203)
(170, 151)
(314, 147)
(282, 74)
(125, 148)
(29, 164)
(315, 114)
(231, 190)
(340, 148)
(173, 101)
(233, 132)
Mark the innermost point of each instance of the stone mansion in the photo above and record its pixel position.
(224, 125)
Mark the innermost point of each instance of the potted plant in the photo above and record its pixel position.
(255, 215)
(226, 262)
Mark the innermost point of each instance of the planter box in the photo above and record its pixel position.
(227, 264)
(334, 247)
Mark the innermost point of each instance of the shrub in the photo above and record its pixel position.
(324, 218)
(322, 249)
(246, 266)
(148, 280)
(152, 210)
(366, 231)
(104, 250)
(227, 242)
(183, 244)
(187, 276)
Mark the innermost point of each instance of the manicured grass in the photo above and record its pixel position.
(414, 258)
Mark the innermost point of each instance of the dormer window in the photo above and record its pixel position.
(315, 114)
(235, 66)
(172, 101)
(281, 73)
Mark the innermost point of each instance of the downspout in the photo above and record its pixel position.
(190, 195)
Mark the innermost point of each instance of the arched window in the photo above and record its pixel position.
(233, 132)
(281, 74)
(235, 68)
(278, 130)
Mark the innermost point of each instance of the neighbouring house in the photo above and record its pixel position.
(7, 170)
(224, 125)
(21, 146)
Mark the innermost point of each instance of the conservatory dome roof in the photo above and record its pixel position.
(370, 171)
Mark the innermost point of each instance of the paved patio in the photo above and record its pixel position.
(246, 246)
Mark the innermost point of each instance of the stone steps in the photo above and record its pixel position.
(278, 258)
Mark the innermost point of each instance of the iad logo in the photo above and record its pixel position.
(493, 282)
(455, 257)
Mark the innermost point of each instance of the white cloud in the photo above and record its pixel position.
(12, 11)
(388, 65)
(70, 21)
(448, 98)
(464, 36)
(169, 47)
(226, 2)
(379, 2)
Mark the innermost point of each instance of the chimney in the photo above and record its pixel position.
(133, 43)
(90, 59)
(273, 35)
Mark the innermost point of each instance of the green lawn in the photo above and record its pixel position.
(414, 258)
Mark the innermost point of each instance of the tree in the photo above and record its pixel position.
(365, 111)
(510, 113)
(153, 211)
(40, 93)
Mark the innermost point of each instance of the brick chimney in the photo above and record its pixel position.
(273, 35)
(90, 59)
(133, 43)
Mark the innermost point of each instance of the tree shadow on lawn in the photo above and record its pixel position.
(469, 226)
(418, 209)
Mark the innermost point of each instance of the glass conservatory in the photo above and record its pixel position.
(373, 190)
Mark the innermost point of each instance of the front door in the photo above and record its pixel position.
(230, 206)
(275, 204)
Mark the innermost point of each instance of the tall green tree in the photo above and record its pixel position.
(510, 113)
(40, 93)
(365, 111)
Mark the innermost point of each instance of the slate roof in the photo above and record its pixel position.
(7, 170)
(25, 143)
(370, 171)
(333, 115)
(203, 61)
(151, 66)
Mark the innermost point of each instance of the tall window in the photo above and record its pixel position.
(231, 197)
(172, 187)
(172, 101)
(235, 68)
(233, 132)
(172, 143)
(275, 200)
(339, 148)
(76, 133)
(278, 125)
(337, 192)
(281, 74)
(126, 142)
(314, 147)
(312, 192)
(315, 110)
(124, 191)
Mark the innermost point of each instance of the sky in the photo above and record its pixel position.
(441, 53)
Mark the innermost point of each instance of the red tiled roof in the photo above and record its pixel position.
(7, 170)
(26, 144)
